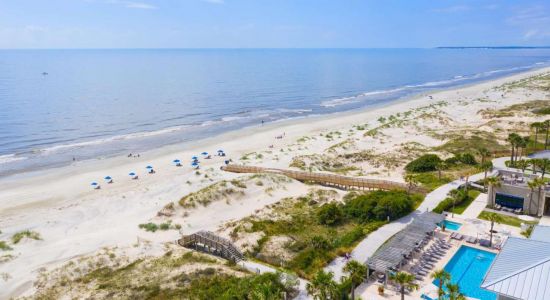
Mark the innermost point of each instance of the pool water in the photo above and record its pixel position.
(467, 268)
(454, 226)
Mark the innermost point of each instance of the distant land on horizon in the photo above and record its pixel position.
(494, 47)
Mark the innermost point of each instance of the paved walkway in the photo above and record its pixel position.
(373, 241)
(261, 268)
(476, 207)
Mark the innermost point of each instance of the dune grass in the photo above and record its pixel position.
(316, 233)
(4, 246)
(16, 238)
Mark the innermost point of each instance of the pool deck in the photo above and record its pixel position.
(369, 291)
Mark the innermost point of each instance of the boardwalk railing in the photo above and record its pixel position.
(209, 242)
(340, 181)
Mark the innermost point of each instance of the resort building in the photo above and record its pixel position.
(514, 195)
(522, 268)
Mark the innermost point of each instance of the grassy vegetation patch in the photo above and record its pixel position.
(29, 234)
(314, 234)
(468, 143)
(508, 220)
(461, 201)
(178, 274)
(431, 180)
(227, 190)
(4, 246)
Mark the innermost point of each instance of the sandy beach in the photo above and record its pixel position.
(74, 220)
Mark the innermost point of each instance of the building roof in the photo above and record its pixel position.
(391, 254)
(541, 233)
(521, 270)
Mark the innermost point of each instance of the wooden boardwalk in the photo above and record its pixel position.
(338, 181)
(209, 242)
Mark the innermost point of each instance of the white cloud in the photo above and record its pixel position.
(534, 21)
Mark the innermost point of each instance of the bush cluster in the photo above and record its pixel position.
(379, 205)
(447, 204)
(425, 163)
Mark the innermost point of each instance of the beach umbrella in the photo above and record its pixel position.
(177, 161)
(194, 163)
(204, 153)
(94, 183)
(194, 158)
(219, 151)
(107, 178)
(149, 167)
(132, 174)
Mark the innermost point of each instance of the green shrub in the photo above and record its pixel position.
(152, 227)
(425, 163)
(164, 226)
(4, 246)
(378, 205)
(467, 159)
(330, 214)
(16, 238)
(461, 201)
(542, 111)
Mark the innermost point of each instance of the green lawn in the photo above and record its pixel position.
(461, 207)
(508, 220)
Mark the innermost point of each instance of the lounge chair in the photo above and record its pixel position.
(453, 235)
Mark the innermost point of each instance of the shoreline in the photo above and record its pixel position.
(25, 171)
(74, 219)
(255, 129)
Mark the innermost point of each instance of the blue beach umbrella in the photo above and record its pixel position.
(94, 184)
(194, 163)
(107, 178)
(132, 174)
(204, 153)
(220, 151)
(177, 161)
(194, 158)
(149, 167)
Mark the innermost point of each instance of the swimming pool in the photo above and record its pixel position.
(467, 268)
(454, 226)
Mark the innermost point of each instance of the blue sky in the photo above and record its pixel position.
(271, 23)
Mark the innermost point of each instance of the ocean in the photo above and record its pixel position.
(56, 105)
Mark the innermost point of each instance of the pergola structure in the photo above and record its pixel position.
(392, 253)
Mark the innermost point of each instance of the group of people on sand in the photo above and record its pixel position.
(133, 155)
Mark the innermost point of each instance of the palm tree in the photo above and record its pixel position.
(493, 218)
(454, 293)
(522, 144)
(484, 153)
(522, 164)
(323, 287)
(405, 280)
(535, 184)
(537, 126)
(535, 162)
(512, 139)
(442, 278)
(357, 273)
(492, 182)
(546, 126)
(544, 164)
(411, 181)
(486, 167)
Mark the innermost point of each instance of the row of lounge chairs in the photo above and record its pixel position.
(508, 209)
(469, 239)
(429, 257)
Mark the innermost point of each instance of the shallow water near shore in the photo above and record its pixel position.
(56, 105)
